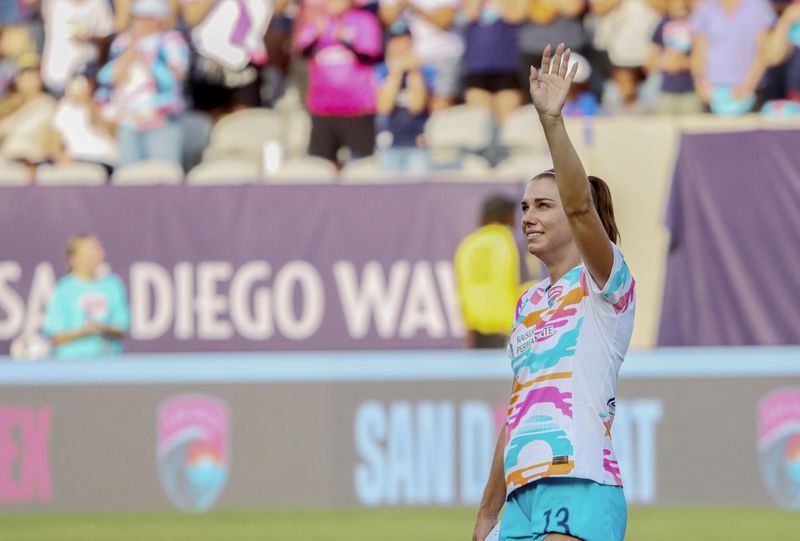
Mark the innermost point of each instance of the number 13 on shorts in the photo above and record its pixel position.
(556, 521)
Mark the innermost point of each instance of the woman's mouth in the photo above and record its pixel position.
(533, 235)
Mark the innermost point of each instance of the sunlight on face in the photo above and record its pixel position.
(544, 222)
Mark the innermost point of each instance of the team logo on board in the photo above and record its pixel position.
(193, 451)
(779, 445)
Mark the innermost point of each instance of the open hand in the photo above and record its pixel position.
(549, 86)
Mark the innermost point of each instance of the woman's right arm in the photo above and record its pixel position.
(494, 495)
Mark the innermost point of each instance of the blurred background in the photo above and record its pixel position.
(258, 260)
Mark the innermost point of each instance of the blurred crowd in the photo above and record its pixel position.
(113, 82)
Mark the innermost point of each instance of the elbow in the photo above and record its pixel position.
(579, 209)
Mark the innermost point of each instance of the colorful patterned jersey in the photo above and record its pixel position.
(567, 345)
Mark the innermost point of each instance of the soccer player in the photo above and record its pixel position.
(554, 465)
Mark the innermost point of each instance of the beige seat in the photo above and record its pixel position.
(472, 169)
(224, 172)
(148, 172)
(14, 174)
(304, 170)
(522, 167)
(459, 127)
(363, 171)
(242, 134)
(71, 174)
(522, 133)
(297, 132)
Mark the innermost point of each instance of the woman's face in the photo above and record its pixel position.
(544, 221)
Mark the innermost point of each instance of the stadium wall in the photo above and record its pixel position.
(392, 428)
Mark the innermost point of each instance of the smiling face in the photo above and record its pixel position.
(544, 222)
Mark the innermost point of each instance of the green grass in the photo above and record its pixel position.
(645, 524)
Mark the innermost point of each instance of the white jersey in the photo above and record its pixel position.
(567, 345)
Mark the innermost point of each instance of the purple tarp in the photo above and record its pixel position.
(733, 271)
(253, 267)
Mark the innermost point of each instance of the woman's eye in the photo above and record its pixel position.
(543, 205)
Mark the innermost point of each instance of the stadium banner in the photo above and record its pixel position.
(243, 268)
(195, 432)
(728, 281)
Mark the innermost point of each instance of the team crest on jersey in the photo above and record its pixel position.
(779, 445)
(193, 451)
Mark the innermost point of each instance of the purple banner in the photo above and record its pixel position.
(252, 267)
(734, 213)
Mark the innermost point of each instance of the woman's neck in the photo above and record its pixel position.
(559, 264)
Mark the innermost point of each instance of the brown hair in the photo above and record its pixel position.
(601, 197)
(72, 245)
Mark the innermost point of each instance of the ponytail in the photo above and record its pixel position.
(601, 196)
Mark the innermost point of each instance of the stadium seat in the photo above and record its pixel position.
(365, 170)
(522, 167)
(472, 169)
(223, 172)
(460, 127)
(242, 134)
(148, 172)
(308, 169)
(71, 174)
(522, 133)
(297, 132)
(14, 174)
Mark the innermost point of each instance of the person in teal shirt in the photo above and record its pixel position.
(88, 313)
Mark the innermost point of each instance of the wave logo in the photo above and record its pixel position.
(779, 445)
(193, 450)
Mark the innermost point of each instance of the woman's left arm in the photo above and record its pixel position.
(549, 90)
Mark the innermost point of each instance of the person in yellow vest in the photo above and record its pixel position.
(488, 274)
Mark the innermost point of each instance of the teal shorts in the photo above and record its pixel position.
(576, 507)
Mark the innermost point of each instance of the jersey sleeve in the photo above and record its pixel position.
(619, 289)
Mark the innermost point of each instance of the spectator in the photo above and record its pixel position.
(545, 22)
(580, 100)
(623, 29)
(436, 40)
(488, 273)
(343, 45)
(15, 41)
(79, 132)
(75, 33)
(143, 86)
(492, 56)
(404, 90)
(727, 61)
(26, 116)
(23, 15)
(87, 314)
(229, 40)
(669, 55)
(783, 47)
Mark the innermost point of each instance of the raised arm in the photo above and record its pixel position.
(549, 90)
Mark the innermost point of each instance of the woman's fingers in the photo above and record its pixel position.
(562, 70)
(572, 72)
(534, 75)
(556, 65)
(546, 61)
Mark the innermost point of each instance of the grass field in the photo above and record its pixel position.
(646, 524)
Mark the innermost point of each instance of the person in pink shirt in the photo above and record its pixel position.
(342, 44)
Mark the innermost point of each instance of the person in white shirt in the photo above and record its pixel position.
(74, 33)
(554, 466)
